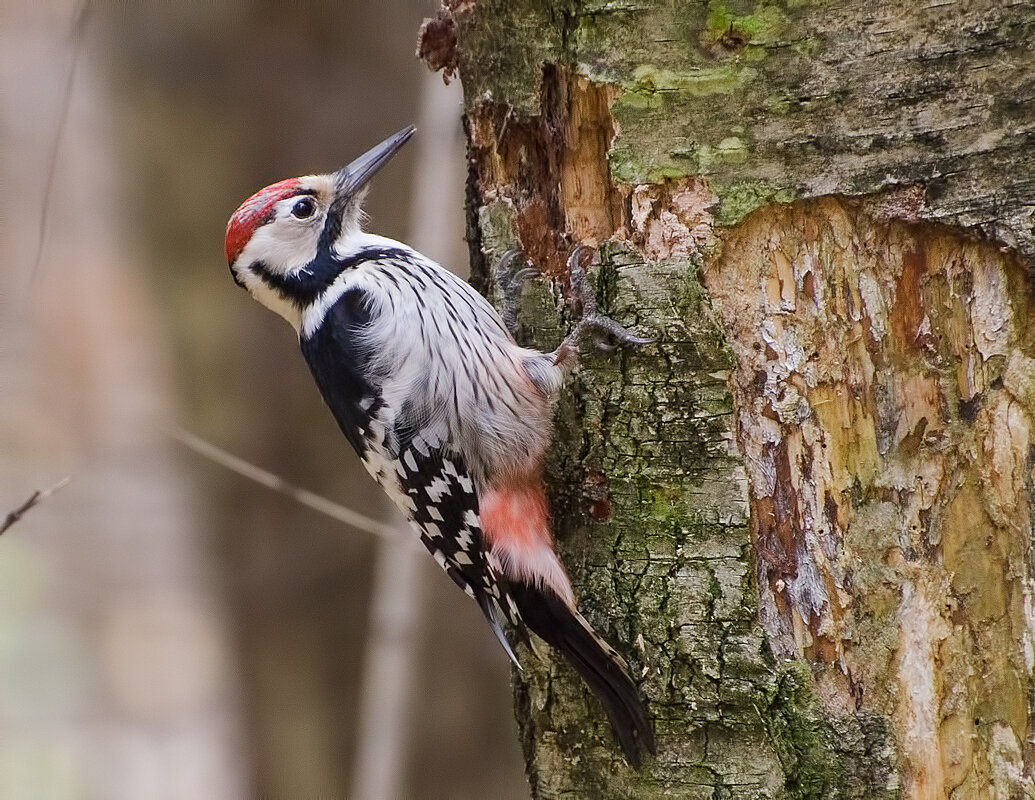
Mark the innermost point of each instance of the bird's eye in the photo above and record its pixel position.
(304, 208)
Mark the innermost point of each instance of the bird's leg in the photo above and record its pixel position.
(510, 280)
(602, 331)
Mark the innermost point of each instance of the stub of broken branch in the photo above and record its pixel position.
(436, 44)
(35, 499)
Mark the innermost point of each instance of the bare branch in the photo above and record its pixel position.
(35, 498)
(278, 484)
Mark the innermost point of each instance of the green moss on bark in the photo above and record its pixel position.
(775, 76)
(668, 576)
(759, 99)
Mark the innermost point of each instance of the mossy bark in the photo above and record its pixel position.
(803, 512)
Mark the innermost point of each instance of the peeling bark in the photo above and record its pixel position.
(888, 447)
(804, 513)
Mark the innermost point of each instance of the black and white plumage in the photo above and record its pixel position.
(448, 414)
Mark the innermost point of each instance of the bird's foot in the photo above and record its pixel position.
(593, 327)
(511, 273)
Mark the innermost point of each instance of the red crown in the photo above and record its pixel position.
(255, 211)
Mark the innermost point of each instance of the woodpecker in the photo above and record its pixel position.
(448, 413)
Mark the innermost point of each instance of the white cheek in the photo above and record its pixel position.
(284, 246)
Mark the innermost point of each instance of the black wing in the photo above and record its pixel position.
(445, 511)
(338, 365)
(443, 501)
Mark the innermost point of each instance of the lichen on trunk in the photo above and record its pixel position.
(803, 513)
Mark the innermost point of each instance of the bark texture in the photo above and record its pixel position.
(804, 513)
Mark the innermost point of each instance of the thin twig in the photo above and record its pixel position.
(35, 498)
(76, 36)
(278, 484)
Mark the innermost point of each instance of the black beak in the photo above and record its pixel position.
(349, 180)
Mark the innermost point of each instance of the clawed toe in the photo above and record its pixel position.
(606, 334)
(518, 278)
(510, 279)
(602, 331)
(581, 292)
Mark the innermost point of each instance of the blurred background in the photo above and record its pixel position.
(168, 628)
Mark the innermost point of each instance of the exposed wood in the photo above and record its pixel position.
(804, 513)
(881, 380)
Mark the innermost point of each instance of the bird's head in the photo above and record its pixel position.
(282, 243)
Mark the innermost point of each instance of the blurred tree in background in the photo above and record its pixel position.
(170, 630)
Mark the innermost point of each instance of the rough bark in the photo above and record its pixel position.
(804, 512)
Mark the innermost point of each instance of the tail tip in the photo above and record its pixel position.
(637, 740)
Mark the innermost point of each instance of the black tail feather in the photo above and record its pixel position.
(603, 670)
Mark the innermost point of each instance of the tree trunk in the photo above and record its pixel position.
(803, 514)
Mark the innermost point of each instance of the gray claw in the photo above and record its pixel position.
(523, 275)
(580, 288)
(605, 332)
(510, 282)
(506, 264)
